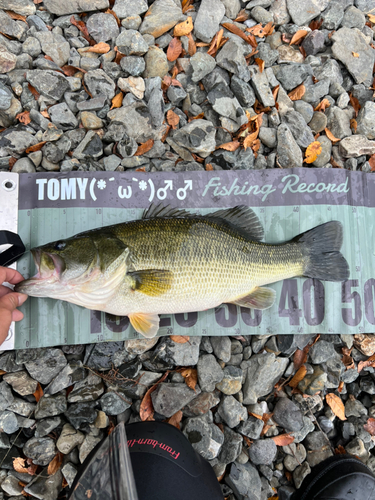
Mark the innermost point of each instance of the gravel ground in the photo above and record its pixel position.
(219, 84)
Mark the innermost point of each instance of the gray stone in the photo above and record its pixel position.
(231, 447)
(314, 42)
(222, 347)
(156, 63)
(21, 407)
(202, 65)
(10, 27)
(111, 162)
(72, 6)
(314, 382)
(300, 473)
(365, 5)
(280, 12)
(199, 432)
(81, 413)
(263, 452)
(6, 396)
(47, 366)
(99, 83)
(133, 65)
(262, 89)
(102, 27)
(47, 425)
(69, 375)
(55, 151)
(161, 17)
(5, 97)
(295, 455)
(126, 8)
(333, 15)
(112, 404)
(32, 46)
(298, 127)
(209, 372)
(49, 83)
(20, 381)
(40, 450)
(210, 15)
(44, 486)
(8, 422)
(252, 428)
(321, 352)
(131, 43)
(91, 146)
(242, 91)
(365, 120)
(11, 486)
(353, 18)
(264, 370)
(91, 440)
(268, 136)
(346, 41)
(197, 136)
(245, 481)
(356, 145)
(232, 8)
(325, 155)
(267, 54)
(231, 411)
(338, 122)
(175, 95)
(356, 447)
(69, 439)
(201, 404)
(49, 406)
(69, 472)
(54, 46)
(330, 70)
(288, 415)
(232, 380)
(354, 408)
(170, 398)
(303, 12)
(23, 7)
(261, 15)
(88, 389)
(289, 153)
(305, 109)
(292, 76)
(318, 122)
(231, 57)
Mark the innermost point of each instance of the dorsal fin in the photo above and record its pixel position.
(241, 217)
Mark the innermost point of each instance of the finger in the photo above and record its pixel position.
(10, 275)
(17, 315)
(4, 290)
(12, 300)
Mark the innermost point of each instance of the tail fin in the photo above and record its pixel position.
(322, 247)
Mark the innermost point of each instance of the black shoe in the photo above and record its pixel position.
(342, 477)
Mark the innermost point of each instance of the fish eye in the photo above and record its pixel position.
(60, 245)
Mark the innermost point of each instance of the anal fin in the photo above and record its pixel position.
(146, 324)
(258, 298)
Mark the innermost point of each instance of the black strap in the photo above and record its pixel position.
(14, 252)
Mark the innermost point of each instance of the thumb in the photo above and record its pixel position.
(11, 301)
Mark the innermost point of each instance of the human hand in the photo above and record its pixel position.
(9, 300)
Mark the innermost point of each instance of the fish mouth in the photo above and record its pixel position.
(49, 268)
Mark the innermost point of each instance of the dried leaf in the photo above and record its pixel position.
(186, 6)
(184, 28)
(180, 339)
(249, 139)
(283, 439)
(19, 465)
(242, 16)
(11, 162)
(299, 358)
(372, 163)
(323, 105)
(330, 136)
(146, 410)
(364, 364)
(260, 63)
(117, 100)
(39, 391)
(355, 103)
(45, 114)
(341, 386)
(55, 465)
(260, 31)
(255, 415)
(24, 117)
(143, 148)
(255, 147)
(336, 405)
(229, 146)
(299, 375)
(33, 91)
(172, 119)
(99, 48)
(275, 91)
(354, 125)
(2, 372)
(175, 419)
(315, 24)
(365, 343)
(36, 147)
(237, 31)
(69, 70)
(298, 36)
(83, 29)
(371, 18)
(297, 93)
(209, 167)
(18, 17)
(340, 450)
(174, 49)
(355, 54)
(312, 152)
(191, 377)
(370, 426)
(192, 48)
(196, 117)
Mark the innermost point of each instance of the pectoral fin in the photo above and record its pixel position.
(152, 282)
(259, 298)
(146, 324)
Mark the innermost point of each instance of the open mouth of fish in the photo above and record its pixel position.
(49, 268)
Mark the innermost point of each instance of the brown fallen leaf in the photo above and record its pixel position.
(18, 17)
(323, 105)
(355, 54)
(372, 163)
(36, 147)
(260, 31)
(336, 405)
(175, 419)
(209, 167)
(299, 375)
(369, 426)
(174, 49)
(180, 339)
(341, 386)
(12, 161)
(33, 91)
(364, 364)
(353, 124)
(69, 70)
(229, 146)
(312, 152)
(83, 29)
(19, 465)
(55, 465)
(297, 93)
(371, 18)
(38, 393)
(249, 139)
(187, 5)
(355, 103)
(172, 119)
(117, 100)
(237, 31)
(242, 16)
(196, 117)
(99, 48)
(144, 148)
(184, 28)
(260, 63)
(315, 24)
(255, 415)
(192, 48)
(340, 450)
(330, 136)
(45, 114)
(283, 439)
(24, 117)
(365, 343)
(146, 410)
(275, 91)
(217, 42)
(191, 377)
(298, 36)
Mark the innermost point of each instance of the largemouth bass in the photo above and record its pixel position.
(172, 261)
